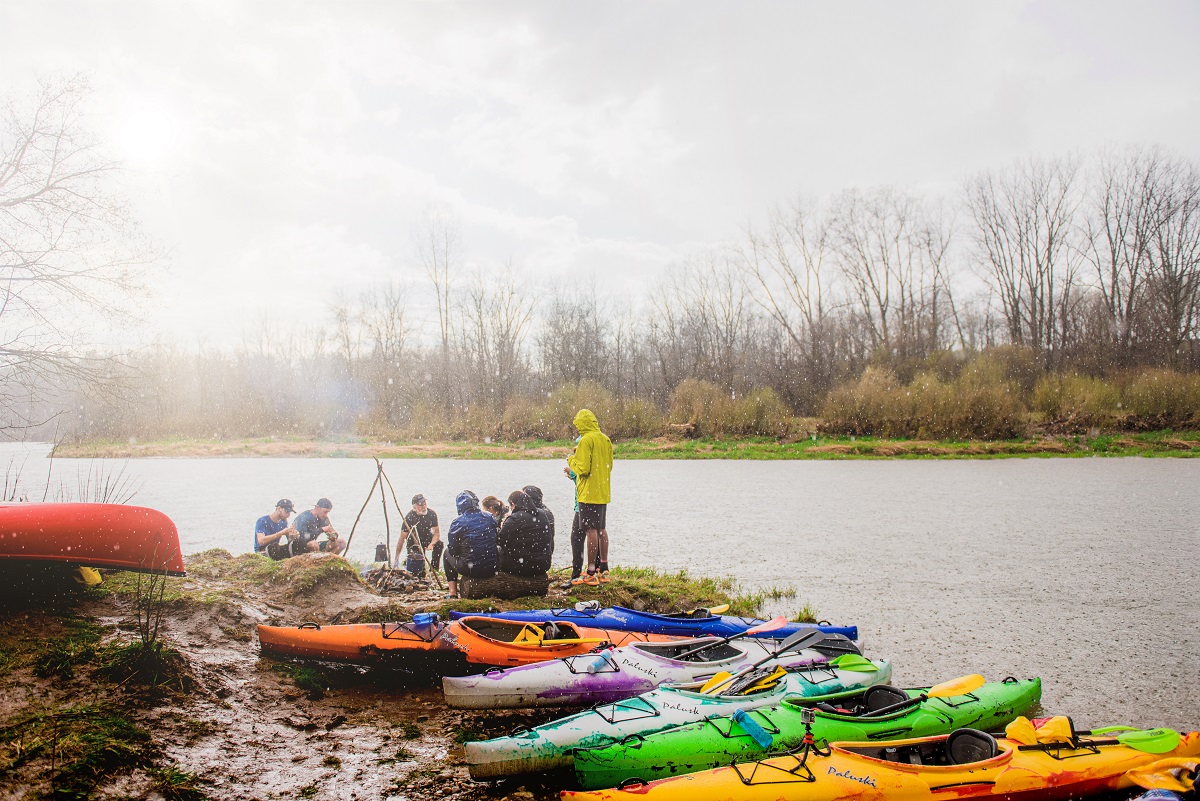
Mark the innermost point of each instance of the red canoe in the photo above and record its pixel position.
(91, 534)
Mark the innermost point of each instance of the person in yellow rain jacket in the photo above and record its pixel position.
(592, 465)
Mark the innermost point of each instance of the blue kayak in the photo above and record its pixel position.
(699, 623)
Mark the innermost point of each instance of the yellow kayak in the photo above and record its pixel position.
(964, 764)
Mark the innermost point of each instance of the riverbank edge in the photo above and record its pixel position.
(204, 738)
(1166, 443)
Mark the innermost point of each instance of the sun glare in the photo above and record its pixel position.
(145, 135)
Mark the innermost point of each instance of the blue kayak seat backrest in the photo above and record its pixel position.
(882, 696)
(965, 746)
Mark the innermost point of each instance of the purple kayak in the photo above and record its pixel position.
(614, 674)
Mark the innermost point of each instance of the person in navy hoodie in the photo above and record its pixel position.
(470, 543)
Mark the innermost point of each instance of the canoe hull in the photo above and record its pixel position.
(105, 535)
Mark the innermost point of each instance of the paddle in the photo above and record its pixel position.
(770, 625)
(1150, 741)
(947, 689)
(798, 641)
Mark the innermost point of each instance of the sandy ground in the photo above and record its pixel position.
(247, 729)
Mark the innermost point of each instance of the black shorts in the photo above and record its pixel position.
(593, 515)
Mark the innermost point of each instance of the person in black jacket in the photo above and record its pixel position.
(526, 542)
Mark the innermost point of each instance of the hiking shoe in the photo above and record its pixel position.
(589, 579)
(604, 579)
(566, 585)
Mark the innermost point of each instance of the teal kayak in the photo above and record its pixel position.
(718, 741)
(551, 745)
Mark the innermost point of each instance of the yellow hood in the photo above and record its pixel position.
(585, 421)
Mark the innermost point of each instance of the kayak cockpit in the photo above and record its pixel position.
(960, 747)
(692, 650)
(521, 633)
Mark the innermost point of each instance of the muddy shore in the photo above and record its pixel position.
(224, 722)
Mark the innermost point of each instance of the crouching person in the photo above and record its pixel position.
(526, 539)
(470, 543)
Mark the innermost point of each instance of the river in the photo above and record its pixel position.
(1085, 572)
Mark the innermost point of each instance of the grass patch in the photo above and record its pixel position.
(312, 680)
(75, 750)
(60, 655)
(402, 754)
(156, 666)
(655, 591)
(332, 761)
(409, 732)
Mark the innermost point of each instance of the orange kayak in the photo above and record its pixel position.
(108, 535)
(480, 641)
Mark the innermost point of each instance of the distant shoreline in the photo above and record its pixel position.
(1150, 444)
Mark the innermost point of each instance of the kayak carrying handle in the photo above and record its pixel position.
(634, 741)
(310, 625)
(632, 781)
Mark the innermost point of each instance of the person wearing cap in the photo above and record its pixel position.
(312, 524)
(272, 534)
(421, 525)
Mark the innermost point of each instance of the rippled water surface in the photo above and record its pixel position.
(1083, 572)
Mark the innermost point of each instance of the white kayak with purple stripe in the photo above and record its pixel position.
(614, 674)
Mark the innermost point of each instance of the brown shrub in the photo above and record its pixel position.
(1163, 399)
(877, 405)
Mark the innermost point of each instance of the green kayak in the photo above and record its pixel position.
(719, 741)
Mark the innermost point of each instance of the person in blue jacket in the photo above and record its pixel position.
(470, 543)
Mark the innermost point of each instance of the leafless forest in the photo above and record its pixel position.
(1067, 286)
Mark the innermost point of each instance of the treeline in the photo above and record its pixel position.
(1060, 287)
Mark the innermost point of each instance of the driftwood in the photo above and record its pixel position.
(392, 581)
(504, 585)
(687, 430)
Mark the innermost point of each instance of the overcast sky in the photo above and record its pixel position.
(283, 150)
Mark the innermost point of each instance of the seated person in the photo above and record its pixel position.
(272, 534)
(495, 507)
(312, 524)
(470, 543)
(525, 541)
(545, 516)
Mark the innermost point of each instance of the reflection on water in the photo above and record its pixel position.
(1085, 572)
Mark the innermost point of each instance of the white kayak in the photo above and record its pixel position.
(613, 674)
(551, 746)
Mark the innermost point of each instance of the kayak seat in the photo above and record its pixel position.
(882, 696)
(965, 746)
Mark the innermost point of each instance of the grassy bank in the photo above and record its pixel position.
(75, 723)
(1149, 443)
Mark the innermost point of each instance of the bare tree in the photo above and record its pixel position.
(1174, 281)
(791, 280)
(1128, 205)
(573, 339)
(70, 252)
(438, 241)
(496, 311)
(891, 253)
(1024, 219)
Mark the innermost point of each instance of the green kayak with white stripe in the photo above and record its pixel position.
(552, 745)
(881, 712)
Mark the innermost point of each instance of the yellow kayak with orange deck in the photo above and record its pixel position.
(468, 643)
(966, 764)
